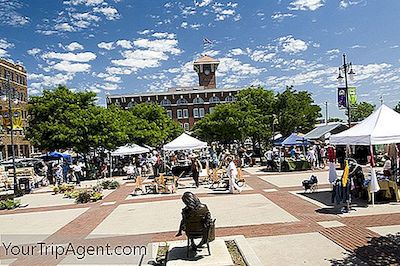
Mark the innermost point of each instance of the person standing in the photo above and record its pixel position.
(269, 155)
(232, 174)
(77, 168)
(196, 168)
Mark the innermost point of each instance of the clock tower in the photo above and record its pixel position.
(206, 67)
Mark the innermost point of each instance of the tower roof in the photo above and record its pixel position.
(206, 60)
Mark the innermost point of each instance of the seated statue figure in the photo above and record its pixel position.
(196, 220)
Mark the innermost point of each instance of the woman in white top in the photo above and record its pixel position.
(232, 174)
(387, 167)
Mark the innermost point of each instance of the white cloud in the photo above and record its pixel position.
(211, 53)
(64, 27)
(84, 2)
(4, 45)
(106, 45)
(33, 51)
(72, 68)
(9, 15)
(124, 44)
(184, 25)
(306, 4)
(38, 82)
(108, 86)
(164, 45)
(114, 79)
(79, 57)
(109, 12)
(346, 3)
(162, 35)
(237, 51)
(74, 46)
(292, 45)
(203, 3)
(262, 55)
(280, 16)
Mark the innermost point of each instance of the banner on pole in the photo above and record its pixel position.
(352, 96)
(342, 98)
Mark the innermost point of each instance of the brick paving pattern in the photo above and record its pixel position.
(351, 236)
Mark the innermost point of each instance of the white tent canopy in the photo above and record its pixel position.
(129, 149)
(381, 127)
(185, 142)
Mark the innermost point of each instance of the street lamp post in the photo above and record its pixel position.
(9, 93)
(346, 69)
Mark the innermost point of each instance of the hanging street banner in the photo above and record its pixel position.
(17, 119)
(342, 98)
(352, 96)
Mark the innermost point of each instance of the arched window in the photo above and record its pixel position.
(214, 99)
(230, 98)
(198, 100)
(165, 102)
(131, 104)
(181, 101)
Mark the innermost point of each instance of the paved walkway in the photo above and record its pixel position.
(271, 213)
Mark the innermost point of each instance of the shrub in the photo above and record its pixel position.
(96, 196)
(72, 194)
(105, 184)
(63, 188)
(84, 196)
(110, 184)
(9, 204)
(113, 185)
(97, 188)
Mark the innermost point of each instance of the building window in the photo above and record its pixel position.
(198, 100)
(185, 113)
(165, 102)
(214, 99)
(230, 98)
(169, 113)
(131, 104)
(179, 113)
(211, 109)
(196, 113)
(186, 126)
(181, 101)
(201, 112)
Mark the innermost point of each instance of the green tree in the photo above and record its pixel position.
(295, 111)
(397, 108)
(255, 111)
(152, 125)
(221, 125)
(361, 111)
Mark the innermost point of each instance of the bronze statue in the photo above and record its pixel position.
(196, 220)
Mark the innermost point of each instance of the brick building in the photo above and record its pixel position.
(18, 80)
(185, 105)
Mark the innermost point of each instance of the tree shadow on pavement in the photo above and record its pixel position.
(384, 250)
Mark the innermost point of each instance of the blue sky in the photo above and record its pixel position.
(131, 46)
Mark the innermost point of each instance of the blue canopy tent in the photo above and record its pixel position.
(295, 140)
(57, 155)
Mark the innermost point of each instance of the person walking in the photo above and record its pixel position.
(232, 174)
(196, 168)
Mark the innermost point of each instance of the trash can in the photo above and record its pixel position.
(23, 184)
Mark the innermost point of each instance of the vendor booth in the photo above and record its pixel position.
(185, 142)
(381, 127)
(298, 163)
(126, 150)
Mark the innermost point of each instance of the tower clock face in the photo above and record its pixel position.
(207, 72)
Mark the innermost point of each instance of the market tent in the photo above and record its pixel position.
(320, 131)
(129, 149)
(381, 127)
(57, 155)
(295, 140)
(185, 142)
